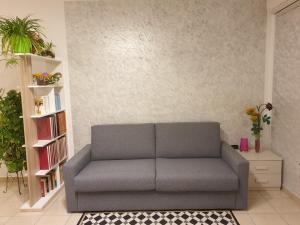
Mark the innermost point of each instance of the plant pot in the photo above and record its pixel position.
(13, 167)
(48, 54)
(257, 145)
(20, 44)
(41, 82)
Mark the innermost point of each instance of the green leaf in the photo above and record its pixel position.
(11, 129)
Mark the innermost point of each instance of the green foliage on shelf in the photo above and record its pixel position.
(20, 35)
(11, 131)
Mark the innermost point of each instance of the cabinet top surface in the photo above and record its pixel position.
(263, 155)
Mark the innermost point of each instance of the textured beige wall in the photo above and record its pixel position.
(151, 61)
(273, 4)
(286, 97)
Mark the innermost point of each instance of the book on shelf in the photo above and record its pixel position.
(57, 102)
(52, 154)
(61, 123)
(42, 185)
(52, 100)
(41, 105)
(50, 181)
(62, 142)
(61, 173)
(47, 128)
(48, 102)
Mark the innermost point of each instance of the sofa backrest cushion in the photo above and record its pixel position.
(125, 141)
(188, 140)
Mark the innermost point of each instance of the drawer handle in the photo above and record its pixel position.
(262, 181)
(261, 168)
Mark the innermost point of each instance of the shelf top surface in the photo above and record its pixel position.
(47, 114)
(38, 57)
(42, 143)
(262, 155)
(45, 86)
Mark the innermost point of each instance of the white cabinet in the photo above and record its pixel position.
(265, 169)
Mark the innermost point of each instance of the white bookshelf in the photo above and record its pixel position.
(31, 64)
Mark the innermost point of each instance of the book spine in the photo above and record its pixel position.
(44, 158)
(61, 123)
(57, 177)
(42, 187)
(57, 102)
(44, 128)
(51, 97)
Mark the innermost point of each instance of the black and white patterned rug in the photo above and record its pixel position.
(190, 217)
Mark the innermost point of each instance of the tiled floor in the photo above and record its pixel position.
(265, 208)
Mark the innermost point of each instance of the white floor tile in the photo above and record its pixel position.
(254, 194)
(58, 207)
(3, 219)
(73, 219)
(244, 219)
(23, 220)
(269, 194)
(52, 220)
(291, 218)
(260, 205)
(284, 205)
(267, 219)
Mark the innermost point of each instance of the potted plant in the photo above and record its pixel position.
(11, 132)
(48, 50)
(20, 36)
(258, 116)
(46, 78)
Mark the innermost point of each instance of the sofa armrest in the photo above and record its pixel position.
(241, 167)
(71, 169)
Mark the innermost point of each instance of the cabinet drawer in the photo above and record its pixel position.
(264, 180)
(257, 167)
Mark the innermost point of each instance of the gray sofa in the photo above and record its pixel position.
(156, 167)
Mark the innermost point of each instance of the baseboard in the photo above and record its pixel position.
(291, 195)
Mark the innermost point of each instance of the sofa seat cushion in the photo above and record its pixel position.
(202, 174)
(117, 175)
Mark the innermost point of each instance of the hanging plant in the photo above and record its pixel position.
(20, 36)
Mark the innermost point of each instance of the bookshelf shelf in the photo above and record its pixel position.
(44, 86)
(42, 202)
(46, 114)
(43, 154)
(42, 173)
(43, 143)
(39, 58)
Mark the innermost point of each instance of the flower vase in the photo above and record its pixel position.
(257, 145)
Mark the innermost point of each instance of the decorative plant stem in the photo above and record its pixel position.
(258, 117)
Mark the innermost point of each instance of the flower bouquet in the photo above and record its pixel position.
(46, 78)
(258, 116)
